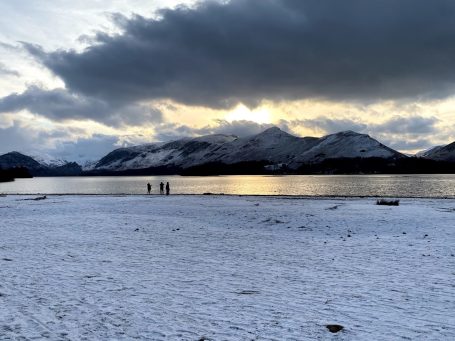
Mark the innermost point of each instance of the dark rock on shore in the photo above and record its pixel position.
(334, 328)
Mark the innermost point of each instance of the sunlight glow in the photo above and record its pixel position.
(243, 113)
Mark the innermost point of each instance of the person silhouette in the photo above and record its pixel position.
(168, 188)
(161, 188)
(149, 188)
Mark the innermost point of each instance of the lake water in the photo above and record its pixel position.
(308, 185)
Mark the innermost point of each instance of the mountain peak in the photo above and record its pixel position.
(347, 133)
(273, 132)
(14, 153)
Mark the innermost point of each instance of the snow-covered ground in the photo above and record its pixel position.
(225, 268)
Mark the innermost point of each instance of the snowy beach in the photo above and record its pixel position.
(225, 268)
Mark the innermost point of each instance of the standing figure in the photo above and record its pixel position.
(168, 189)
(161, 188)
(149, 188)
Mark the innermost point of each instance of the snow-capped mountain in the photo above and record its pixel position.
(440, 153)
(48, 161)
(182, 153)
(346, 144)
(273, 146)
(16, 159)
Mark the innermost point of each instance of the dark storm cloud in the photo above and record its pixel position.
(246, 50)
(59, 104)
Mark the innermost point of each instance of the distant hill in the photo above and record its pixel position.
(18, 160)
(440, 153)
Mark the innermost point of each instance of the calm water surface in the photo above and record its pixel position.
(308, 185)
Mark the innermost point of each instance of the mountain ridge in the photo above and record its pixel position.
(272, 146)
(272, 150)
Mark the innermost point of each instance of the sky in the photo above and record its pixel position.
(81, 78)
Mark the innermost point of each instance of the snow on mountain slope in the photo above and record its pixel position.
(425, 152)
(48, 161)
(273, 145)
(183, 153)
(440, 153)
(346, 144)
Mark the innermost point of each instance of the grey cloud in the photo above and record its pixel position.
(239, 128)
(14, 139)
(5, 71)
(86, 149)
(408, 125)
(9, 47)
(58, 144)
(217, 54)
(60, 104)
(329, 126)
(403, 145)
(407, 133)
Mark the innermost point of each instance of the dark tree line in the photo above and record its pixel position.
(14, 173)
